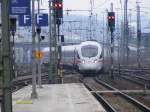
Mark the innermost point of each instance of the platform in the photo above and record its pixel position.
(57, 98)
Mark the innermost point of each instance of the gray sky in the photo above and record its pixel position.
(99, 5)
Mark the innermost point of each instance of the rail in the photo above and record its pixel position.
(105, 104)
(127, 97)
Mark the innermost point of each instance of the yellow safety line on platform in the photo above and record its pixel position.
(24, 102)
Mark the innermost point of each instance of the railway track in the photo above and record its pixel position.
(110, 97)
(113, 99)
(139, 77)
(93, 87)
(127, 97)
(138, 80)
(130, 69)
(106, 94)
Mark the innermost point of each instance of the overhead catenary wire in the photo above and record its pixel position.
(100, 5)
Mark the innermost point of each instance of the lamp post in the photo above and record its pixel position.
(50, 42)
(39, 50)
(34, 93)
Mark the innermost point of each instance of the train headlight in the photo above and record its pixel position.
(83, 61)
(95, 61)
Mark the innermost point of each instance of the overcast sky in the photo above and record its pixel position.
(99, 5)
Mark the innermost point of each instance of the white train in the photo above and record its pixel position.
(86, 57)
(89, 57)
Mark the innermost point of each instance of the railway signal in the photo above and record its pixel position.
(111, 21)
(42, 37)
(58, 8)
(111, 25)
(58, 15)
(62, 38)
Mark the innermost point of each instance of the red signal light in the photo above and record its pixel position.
(111, 20)
(109, 17)
(60, 5)
(113, 17)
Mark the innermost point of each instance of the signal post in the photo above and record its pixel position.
(58, 10)
(52, 42)
(111, 25)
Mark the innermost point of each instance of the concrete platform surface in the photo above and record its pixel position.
(56, 98)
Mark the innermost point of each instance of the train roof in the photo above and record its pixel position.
(90, 42)
(75, 47)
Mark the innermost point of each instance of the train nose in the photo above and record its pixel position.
(92, 66)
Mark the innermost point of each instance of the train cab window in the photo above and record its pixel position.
(89, 51)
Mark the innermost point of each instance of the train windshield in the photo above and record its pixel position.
(89, 51)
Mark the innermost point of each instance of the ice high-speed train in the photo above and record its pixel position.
(89, 57)
(86, 56)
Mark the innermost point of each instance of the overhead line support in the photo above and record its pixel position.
(6, 59)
